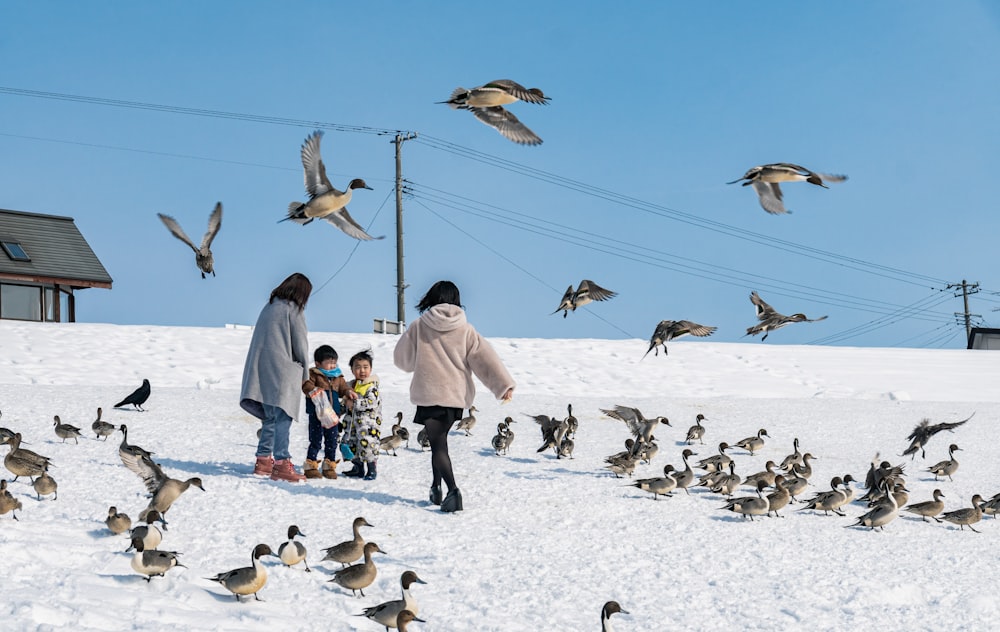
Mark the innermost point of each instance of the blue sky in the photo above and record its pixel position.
(658, 105)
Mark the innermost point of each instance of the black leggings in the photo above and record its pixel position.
(437, 421)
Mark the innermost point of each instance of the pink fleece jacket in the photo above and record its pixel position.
(443, 351)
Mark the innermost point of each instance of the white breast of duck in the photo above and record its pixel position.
(329, 202)
(292, 552)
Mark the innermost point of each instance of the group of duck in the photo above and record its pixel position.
(886, 494)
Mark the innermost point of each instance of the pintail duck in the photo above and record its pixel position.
(128, 452)
(203, 253)
(795, 484)
(403, 620)
(609, 609)
(805, 470)
(292, 552)
(486, 104)
(657, 486)
(359, 576)
(350, 551)
(566, 448)
(325, 202)
(900, 495)
(118, 523)
(468, 422)
(386, 613)
(686, 476)
(716, 462)
(878, 473)
(249, 579)
(586, 292)
(624, 454)
(152, 563)
(572, 423)
(752, 444)
(400, 429)
(767, 476)
(779, 498)
(638, 424)
(697, 431)
(148, 533)
(795, 458)
(924, 431)
(137, 397)
(165, 490)
(750, 506)
(966, 517)
(65, 431)
(928, 508)
(991, 506)
(504, 436)
(765, 180)
(6, 434)
(22, 462)
(771, 320)
(879, 516)
(553, 432)
(8, 504)
(102, 429)
(647, 449)
(423, 439)
(830, 500)
(393, 441)
(45, 485)
(946, 468)
(624, 467)
(728, 484)
(668, 330)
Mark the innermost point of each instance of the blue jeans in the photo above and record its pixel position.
(274, 433)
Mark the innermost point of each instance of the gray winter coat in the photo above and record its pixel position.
(276, 361)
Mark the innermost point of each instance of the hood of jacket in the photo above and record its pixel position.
(444, 317)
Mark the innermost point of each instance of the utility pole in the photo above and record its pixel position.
(967, 289)
(400, 284)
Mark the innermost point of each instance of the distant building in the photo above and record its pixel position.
(984, 338)
(43, 260)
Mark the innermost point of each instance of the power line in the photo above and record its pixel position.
(353, 250)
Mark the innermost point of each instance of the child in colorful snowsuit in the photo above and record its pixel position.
(364, 419)
(326, 377)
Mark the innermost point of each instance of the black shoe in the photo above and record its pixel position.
(453, 501)
(357, 471)
(372, 472)
(435, 494)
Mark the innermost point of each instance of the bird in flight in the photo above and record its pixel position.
(765, 180)
(486, 104)
(771, 320)
(202, 254)
(586, 292)
(325, 202)
(667, 330)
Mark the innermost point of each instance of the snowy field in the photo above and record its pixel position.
(542, 543)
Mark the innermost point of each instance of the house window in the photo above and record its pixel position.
(14, 250)
(21, 302)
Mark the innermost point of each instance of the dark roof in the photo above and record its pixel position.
(57, 250)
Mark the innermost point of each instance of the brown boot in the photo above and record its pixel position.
(263, 466)
(329, 468)
(283, 470)
(311, 469)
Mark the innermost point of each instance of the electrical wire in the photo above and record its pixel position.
(357, 243)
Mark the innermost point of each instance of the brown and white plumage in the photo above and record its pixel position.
(165, 490)
(923, 432)
(325, 201)
(486, 104)
(667, 330)
(765, 179)
(247, 580)
(770, 319)
(638, 424)
(202, 253)
(586, 292)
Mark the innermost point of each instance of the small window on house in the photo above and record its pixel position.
(14, 250)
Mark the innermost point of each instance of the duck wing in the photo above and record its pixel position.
(176, 230)
(507, 124)
(684, 327)
(592, 291)
(151, 473)
(214, 224)
(769, 194)
(343, 220)
(513, 88)
(312, 164)
(764, 311)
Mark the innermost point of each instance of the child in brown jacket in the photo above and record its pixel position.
(328, 378)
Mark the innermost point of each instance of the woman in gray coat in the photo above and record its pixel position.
(273, 374)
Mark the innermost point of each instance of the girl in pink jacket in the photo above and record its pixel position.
(443, 351)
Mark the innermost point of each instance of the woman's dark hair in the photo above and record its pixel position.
(325, 352)
(295, 289)
(362, 355)
(441, 292)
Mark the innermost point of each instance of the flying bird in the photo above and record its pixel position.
(325, 202)
(486, 104)
(765, 180)
(923, 432)
(586, 292)
(137, 397)
(202, 254)
(771, 320)
(667, 330)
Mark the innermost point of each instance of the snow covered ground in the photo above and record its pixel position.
(542, 543)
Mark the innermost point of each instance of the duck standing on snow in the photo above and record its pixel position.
(248, 580)
(325, 202)
(765, 180)
(102, 429)
(609, 609)
(586, 292)
(152, 563)
(771, 320)
(667, 330)
(117, 522)
(292, 552)
(468, 422)
(486, 104)
(45, 485)
(349, 551)
(8, 504)
(386, 613)
(359, 576)
(203, 253)
(65, 431)
(946, 467)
